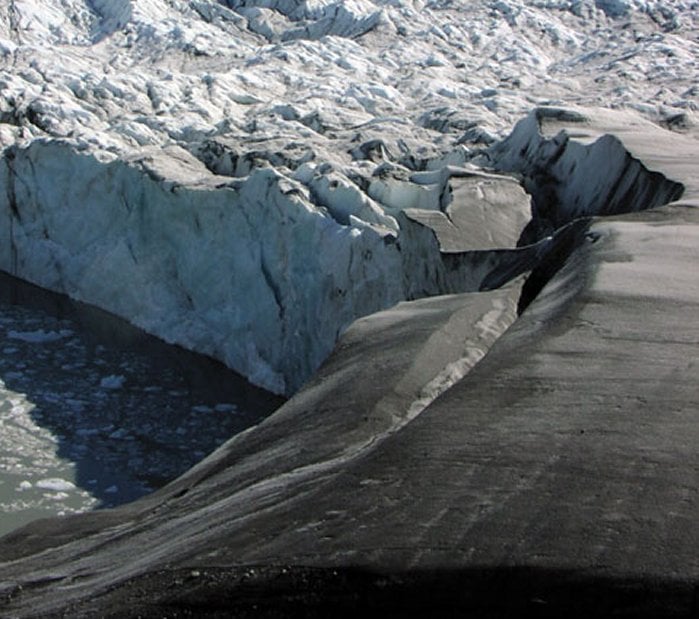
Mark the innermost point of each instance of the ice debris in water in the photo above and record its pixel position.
(40, 336)
(201, 408)
(55, 484)
(225, 408)
(112, 382)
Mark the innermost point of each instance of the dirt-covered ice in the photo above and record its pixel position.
(247, 178)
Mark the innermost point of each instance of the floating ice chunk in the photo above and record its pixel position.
(87, 432)
(112, 381)
(40, 336)
(111, 490)
(202, 408)
(225, 408)
(58, 496)
(25, 485)
(77, 405)
(55, 483)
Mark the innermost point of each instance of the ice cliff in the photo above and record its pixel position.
(262, 272)
(246, 178)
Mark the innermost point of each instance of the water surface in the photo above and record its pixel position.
(95, 413)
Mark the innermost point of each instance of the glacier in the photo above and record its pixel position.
(460, 235)
(242, 178)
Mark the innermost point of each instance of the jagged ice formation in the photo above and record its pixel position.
(246, 178)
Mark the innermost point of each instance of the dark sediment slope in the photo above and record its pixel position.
(556, 472)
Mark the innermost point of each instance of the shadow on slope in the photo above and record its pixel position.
(297, 591)
(111, 15)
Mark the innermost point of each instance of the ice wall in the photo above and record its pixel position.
(262, 272)
(248, 272)
(571, 174)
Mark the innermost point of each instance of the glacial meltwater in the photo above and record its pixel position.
(95, 413)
